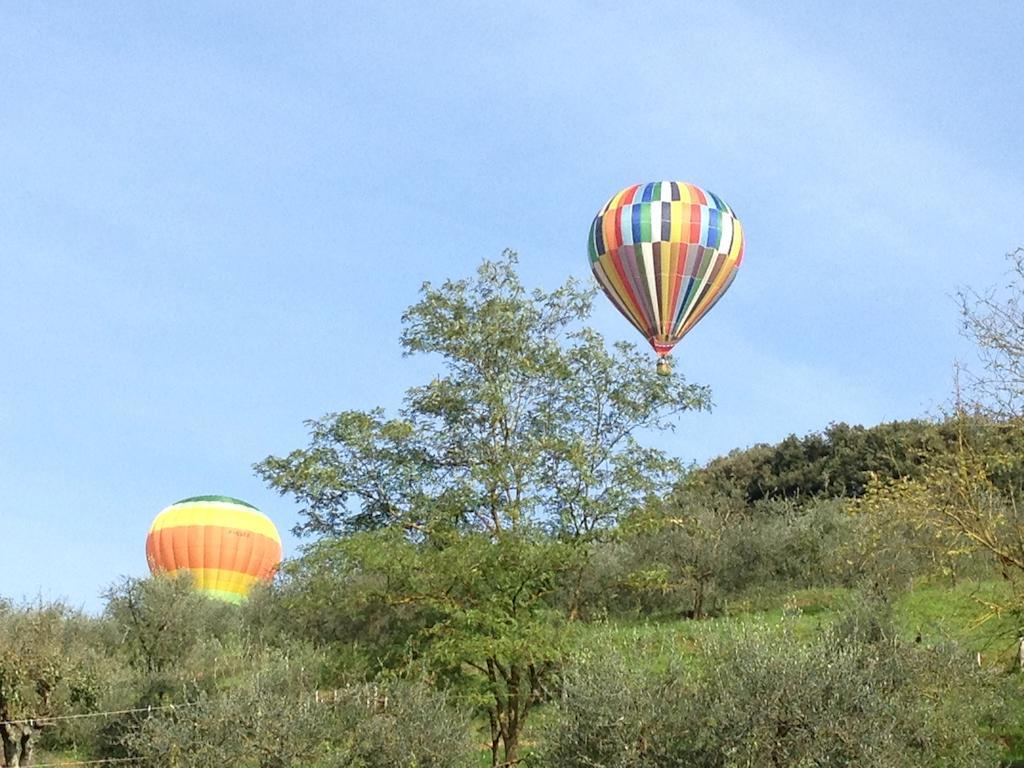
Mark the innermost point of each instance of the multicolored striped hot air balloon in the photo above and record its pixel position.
(226, 544)
(664, 253)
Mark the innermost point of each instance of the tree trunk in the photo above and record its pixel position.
(511, 706)
(512, 716)
(18, 744)
(574, 598)
(577, 593)
(27, 745)
(495, 736)
(698, 600)
(512, 748)
(11, 737)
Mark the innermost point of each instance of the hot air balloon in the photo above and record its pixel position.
(226, 544)
(665, 253)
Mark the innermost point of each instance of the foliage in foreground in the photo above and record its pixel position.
(756, 697)
(276, 718)
(51, 664)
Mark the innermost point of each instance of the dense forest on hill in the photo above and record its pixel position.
(843, 461)
(501, 573)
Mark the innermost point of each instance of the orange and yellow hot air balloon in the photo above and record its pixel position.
(665, 253)
(226, 544)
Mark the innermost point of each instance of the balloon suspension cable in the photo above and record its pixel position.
(664, 366)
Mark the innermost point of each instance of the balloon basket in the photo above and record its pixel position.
(664, 367)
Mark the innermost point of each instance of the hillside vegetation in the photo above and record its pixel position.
(501, 573)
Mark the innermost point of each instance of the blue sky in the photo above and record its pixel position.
(213, 214)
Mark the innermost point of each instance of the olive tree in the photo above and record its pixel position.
(275, 716)
(48, 666)
(758, 695)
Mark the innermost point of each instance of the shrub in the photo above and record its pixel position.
(274, 718)
(854, 696)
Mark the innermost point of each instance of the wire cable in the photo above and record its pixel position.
(55, 718)
(99, 761)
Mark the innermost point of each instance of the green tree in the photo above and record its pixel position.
(683, 548)
(164, 624)
(48, 663)
(463, 512)
(404, 723)
(836, 463)
(704, 545)
(265, 717)
(176, 646)
(274, 716)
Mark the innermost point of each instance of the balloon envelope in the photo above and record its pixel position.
(226, 544)
(665, 253)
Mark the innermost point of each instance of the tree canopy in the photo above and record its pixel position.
(464, 513)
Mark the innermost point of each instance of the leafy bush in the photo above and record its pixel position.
(405, 724)
(757, 697)
(275, 718)
(703, 549)
(51, 665)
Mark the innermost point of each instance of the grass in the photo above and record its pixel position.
(660, 642)
(968, 613)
